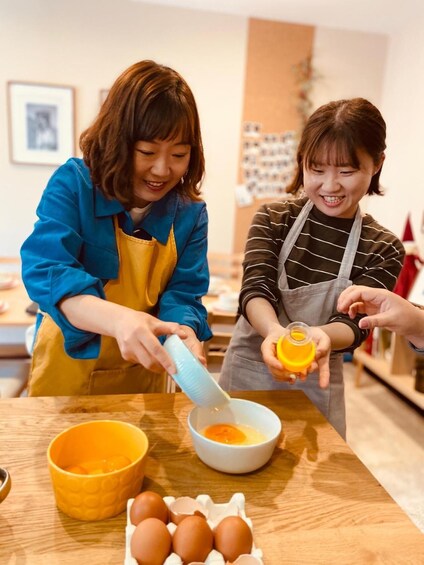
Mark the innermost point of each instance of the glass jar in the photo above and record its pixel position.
(296, 350)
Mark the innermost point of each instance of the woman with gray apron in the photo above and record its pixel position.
(301, 254)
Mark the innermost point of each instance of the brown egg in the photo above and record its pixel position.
(148, 504)
(233, 537)
(193, 539)
(151, 542)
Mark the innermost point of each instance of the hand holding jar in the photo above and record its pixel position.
(300, 350)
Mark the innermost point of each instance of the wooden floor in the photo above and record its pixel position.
(387, 435)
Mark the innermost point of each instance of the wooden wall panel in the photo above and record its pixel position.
(271, 91)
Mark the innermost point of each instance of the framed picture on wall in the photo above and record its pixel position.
(41, 123)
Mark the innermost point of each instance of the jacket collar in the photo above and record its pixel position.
(105, 207)
(157, 223)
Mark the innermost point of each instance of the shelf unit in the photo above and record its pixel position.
(394, 366)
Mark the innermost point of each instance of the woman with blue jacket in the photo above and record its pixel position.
(117, 258)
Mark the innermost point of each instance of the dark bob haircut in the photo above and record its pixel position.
(147, 102)
(334, 133)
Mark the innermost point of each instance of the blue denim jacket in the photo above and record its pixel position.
(72, 250)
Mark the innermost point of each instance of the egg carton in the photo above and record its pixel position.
(215, 512)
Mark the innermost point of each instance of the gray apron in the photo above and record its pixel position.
(243, 367)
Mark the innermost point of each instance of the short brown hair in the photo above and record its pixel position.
(338, 129)
(147, 101)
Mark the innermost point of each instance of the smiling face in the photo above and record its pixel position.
(158, 168)
(336, 189)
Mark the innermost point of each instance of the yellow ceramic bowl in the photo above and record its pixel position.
(104, 493)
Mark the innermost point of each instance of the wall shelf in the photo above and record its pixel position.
(396, 369)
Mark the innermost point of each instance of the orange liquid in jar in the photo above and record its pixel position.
(296, 350)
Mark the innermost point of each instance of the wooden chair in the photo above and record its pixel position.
(15, 364)
(226, 265)
(15, 360)
(14, 374)
(222, 326)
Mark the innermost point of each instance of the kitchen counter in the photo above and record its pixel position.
(313, 503)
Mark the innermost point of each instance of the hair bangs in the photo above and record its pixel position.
(335, 148)
(165, 118)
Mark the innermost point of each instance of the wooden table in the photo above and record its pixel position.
(15, 320)
(18, 300)
(314, 503)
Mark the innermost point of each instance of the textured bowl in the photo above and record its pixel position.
(99, 496)
(192, 377)
(235, 458)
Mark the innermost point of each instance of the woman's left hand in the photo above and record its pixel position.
(322, 356)
(195, 346)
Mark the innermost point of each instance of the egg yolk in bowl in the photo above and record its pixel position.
(233, 434)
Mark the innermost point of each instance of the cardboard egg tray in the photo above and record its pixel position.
(216, 512)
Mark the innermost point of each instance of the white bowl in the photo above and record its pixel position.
(217, 285)
(192, 377)
(227, 301)
(235, 458)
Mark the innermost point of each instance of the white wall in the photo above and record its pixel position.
(389, 72)
(87, 43)
(348, 64)
(402, 106)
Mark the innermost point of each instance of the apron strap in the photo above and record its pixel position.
(351, 246)
(295, 232)
(350, 249)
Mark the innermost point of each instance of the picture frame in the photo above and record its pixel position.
(41, 123)
(416, 294)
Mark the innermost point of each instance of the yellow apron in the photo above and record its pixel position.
(145, 269)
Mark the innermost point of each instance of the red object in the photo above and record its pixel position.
(410, 266)
(368, 344)
(407, 232)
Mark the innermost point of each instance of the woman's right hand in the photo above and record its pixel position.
(269, 355)
(135, 332)
(137, 336)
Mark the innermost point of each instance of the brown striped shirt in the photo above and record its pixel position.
(316, 255)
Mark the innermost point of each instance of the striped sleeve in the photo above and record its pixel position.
(379, 257)
(260, 267)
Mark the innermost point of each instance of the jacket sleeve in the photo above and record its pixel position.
(51, 267)
(181, 302)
